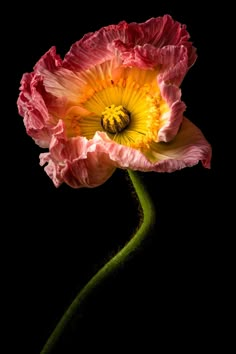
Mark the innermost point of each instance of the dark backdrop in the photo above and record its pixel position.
(167, 294)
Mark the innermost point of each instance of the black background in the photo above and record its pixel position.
(168, 293)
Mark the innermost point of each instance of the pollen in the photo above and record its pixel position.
(115, 119)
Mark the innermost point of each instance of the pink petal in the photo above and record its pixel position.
(94, 48)
(32, 108)
(99, 46)
(50, 61)
(171, 120)
(62, 83)
(187, 149)
(161, 32)
(36, 105)
(78, 162)
(174, 65)
(58, 81)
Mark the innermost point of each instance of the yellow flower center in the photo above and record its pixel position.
(115, 119)
(125, 103)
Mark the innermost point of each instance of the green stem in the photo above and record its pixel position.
(112, 265)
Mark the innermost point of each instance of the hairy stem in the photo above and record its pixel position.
(146, 223)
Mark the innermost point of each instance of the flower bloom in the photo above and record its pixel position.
(114, 102)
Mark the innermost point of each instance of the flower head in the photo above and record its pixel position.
(114, 102)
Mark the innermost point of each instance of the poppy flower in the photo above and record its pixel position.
(114, 101)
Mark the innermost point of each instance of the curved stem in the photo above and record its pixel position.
(112, 265)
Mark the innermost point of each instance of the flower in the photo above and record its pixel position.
(114, 102)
